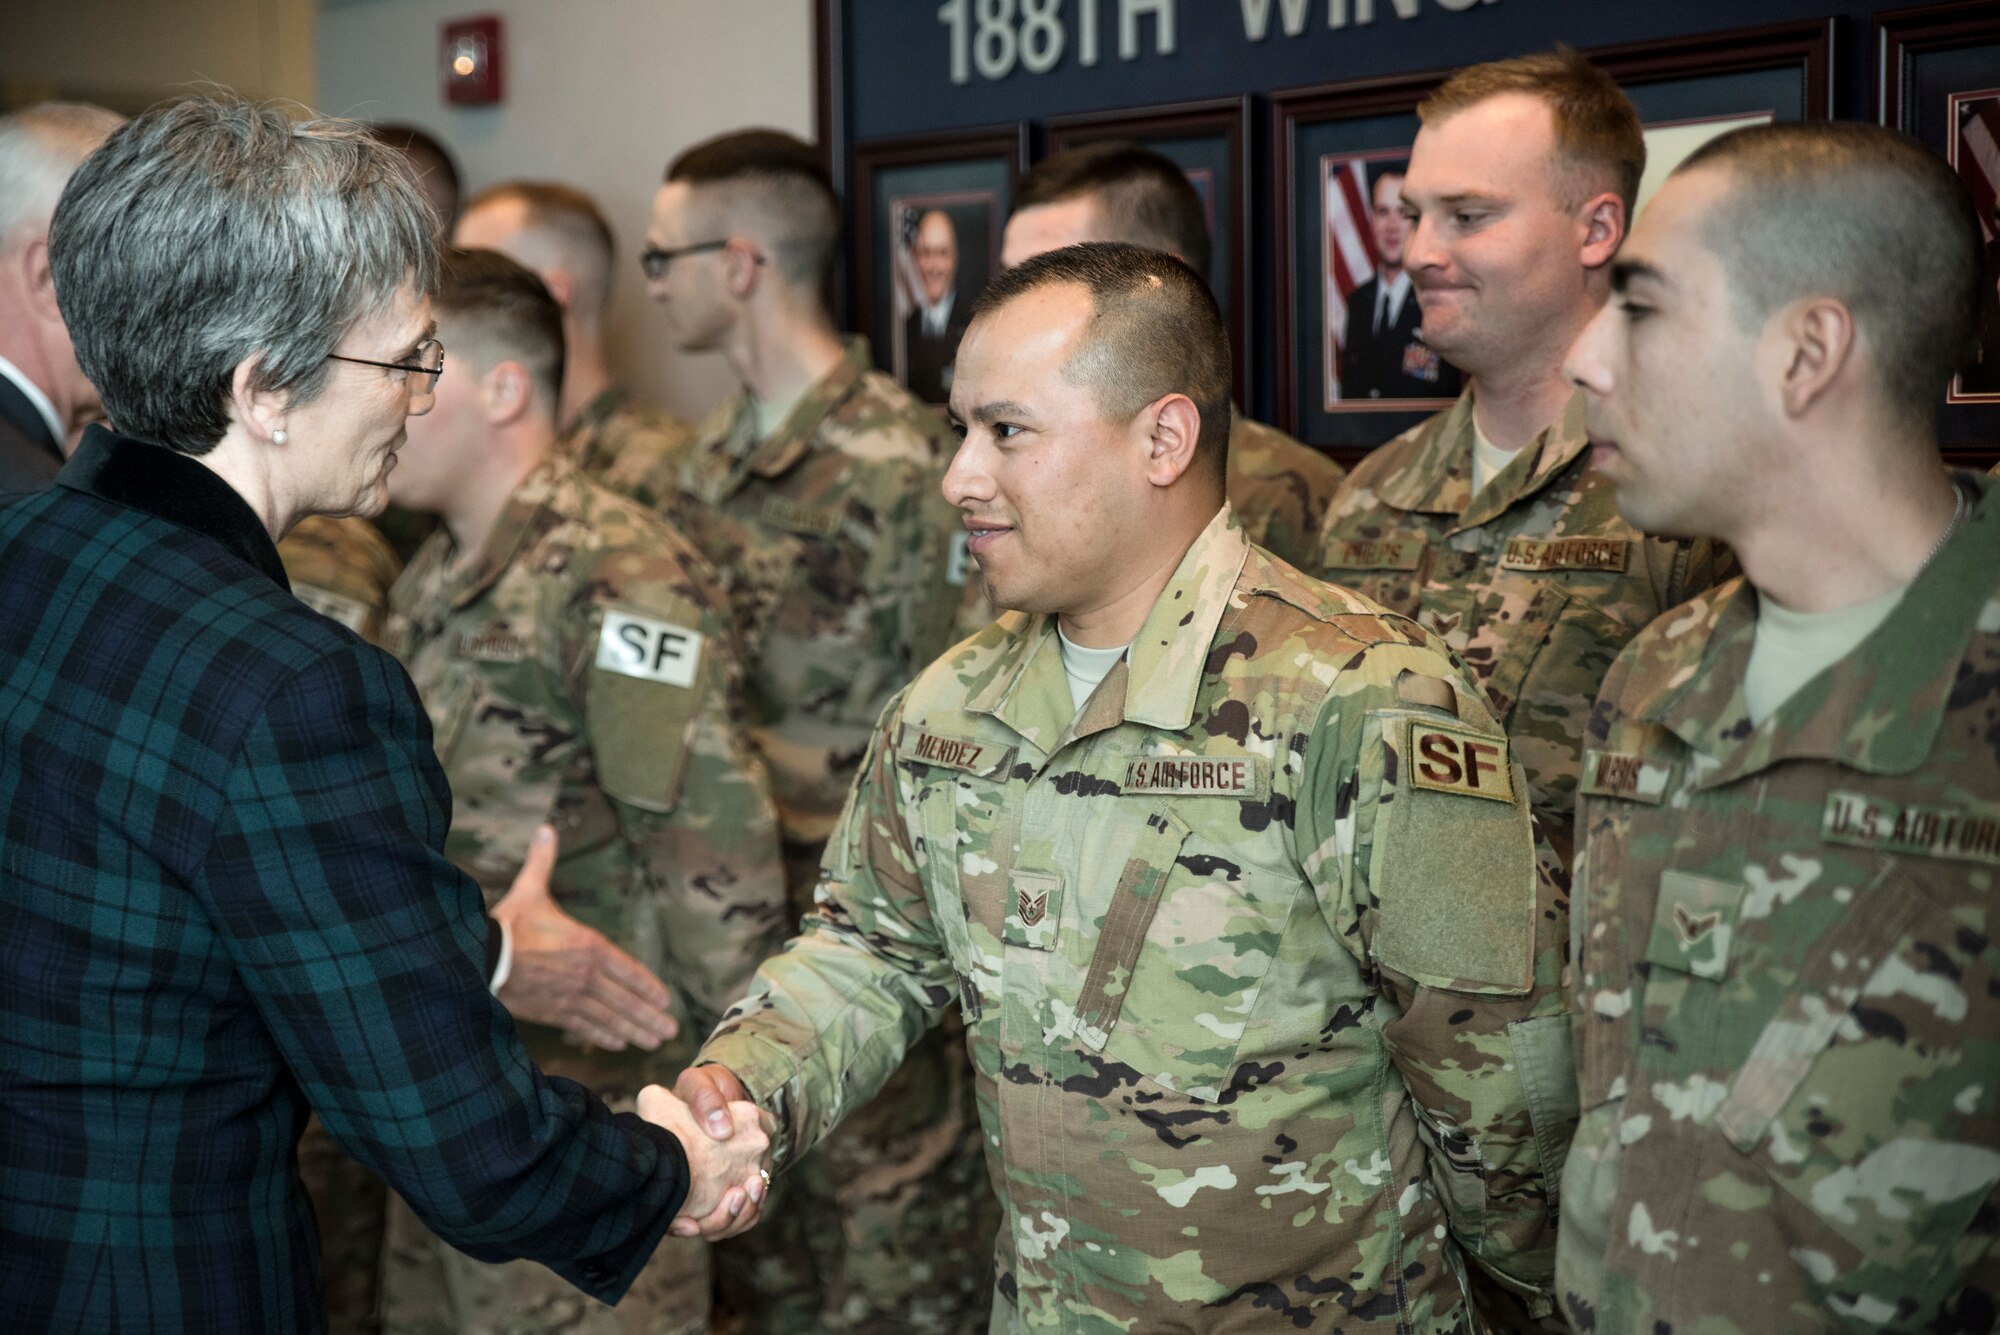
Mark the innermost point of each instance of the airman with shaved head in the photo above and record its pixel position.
(1788, 976)
(1230, 874)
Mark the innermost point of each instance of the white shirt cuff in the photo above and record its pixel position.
(506, 964)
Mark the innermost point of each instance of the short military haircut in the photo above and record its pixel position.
(1155, 330)
(493, 310)
(774, 184)
(1599, 143)
(39, 147)
(573, 225)
(432, 162)
(1866, 216)
(1143, 198)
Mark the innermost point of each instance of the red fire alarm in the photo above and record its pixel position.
(470, 55)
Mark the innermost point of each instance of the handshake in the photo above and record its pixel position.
(728, 1145)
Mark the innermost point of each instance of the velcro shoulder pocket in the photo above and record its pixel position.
(1452, 868)
(644, 684)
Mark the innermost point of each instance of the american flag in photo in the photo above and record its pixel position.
(1978, 156)
(1350, 252)
(909, 284)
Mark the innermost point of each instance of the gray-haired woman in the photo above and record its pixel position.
(222, 899)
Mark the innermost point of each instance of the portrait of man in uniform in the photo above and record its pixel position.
(1374, 326)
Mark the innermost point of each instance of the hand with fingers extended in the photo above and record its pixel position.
(727, 1176)
(571, 976)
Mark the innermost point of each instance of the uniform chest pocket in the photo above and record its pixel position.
(1557, 652)
(959, 811)
(1869, 1101)
(1389, 571)
(1191, 936)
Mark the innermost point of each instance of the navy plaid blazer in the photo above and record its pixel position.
(222, 901)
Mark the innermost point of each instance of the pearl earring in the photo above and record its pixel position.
(279, 437)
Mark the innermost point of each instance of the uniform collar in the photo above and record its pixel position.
(719, 474)
(1160, 677)
(580, 436)
(175, 487)
(1438, 480)
(526, 517)
(1878, 710)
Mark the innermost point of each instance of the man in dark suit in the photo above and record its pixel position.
(44, 397)
(931, 332)
(223, 900)
(1384, 356)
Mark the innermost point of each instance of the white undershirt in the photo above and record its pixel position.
(1488, 459)
(1085, 668)
(771, 416)
(1791, 648)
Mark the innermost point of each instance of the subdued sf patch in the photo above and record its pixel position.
(1458, 760)
(1454, 879)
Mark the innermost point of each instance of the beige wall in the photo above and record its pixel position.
(599, 93)
(128, 54)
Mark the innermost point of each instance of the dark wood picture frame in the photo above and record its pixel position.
(1226, 120)
(1005, 146)
(1669, 66)
(1907, 41)
(1291, 112)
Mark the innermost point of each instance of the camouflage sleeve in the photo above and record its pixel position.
(826, 1023)
(1416, 831)
(691, 799)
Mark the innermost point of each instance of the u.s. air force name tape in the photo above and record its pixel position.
(651, 650)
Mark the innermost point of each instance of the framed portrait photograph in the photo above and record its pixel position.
(1347, 317)
(1353, 370)
(928, 214)
(1208, 141)
(1939, 80)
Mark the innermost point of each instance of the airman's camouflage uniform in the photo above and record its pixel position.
(846, 568)
(582, 671)
(343, 569)
(1536, 582)
(1788, 951)
(1261, 977)
(1279, 489)
(631, 449)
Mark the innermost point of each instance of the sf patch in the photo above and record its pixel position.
(635, 646)
(1454, 760)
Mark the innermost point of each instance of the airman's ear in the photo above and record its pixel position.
(1604, 226)
(1816, 346)
(507, 392)
(1173, 431)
